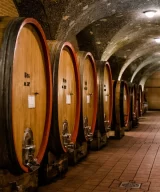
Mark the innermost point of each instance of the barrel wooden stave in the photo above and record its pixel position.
(134, 92)
(133, 97)
(121, 106)
(119, 103)
(133, 89)
(66, 82)
(89, 93)
(126, 104)
(140, 100)
(105, 96)
(20, 37)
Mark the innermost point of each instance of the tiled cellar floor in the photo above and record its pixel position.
(134, 158)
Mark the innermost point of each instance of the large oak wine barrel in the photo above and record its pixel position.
(140, 100)
(105, 97)
(144, 103)
(121, 108)
(89, 95)
(133, 104)
(66, 97)
(25, 94)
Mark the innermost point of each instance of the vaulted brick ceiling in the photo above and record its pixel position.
(114, 30)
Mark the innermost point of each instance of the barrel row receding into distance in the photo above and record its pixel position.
(81, 88)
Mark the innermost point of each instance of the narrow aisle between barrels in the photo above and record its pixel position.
(134, 159)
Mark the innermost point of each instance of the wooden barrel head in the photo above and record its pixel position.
(30, 91)
(66, 100)
(134, 103)
(114, 82)
(140, 100)
(133, 88)
(67, 91)
(88, 90)
(126, 104)
(107, 94)
(121, 103)
(143, 100)
(134, 94)
(118, 102)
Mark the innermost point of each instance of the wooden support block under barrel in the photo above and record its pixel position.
(27, 182)
(118, 133)
(52, 168)
(78, 153)
(99, 141)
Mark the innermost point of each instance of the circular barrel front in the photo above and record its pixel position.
(140, 100)
(25, 94)
(105, 97)
(133, 99)
(126, 105)
(121, 107)
(66, 98)
(145, 103)
(89, 95)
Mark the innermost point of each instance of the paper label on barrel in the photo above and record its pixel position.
(88, 98)
(106, 98)
(68, 99)
(31, 101)
(125, 97)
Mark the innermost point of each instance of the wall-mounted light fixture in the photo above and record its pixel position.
(157, 40)
(150, 13)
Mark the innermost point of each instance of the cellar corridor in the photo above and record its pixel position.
(134, 159)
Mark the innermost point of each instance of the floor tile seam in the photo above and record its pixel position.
(139, 167)
(139, 137)
(148, 151)
(153, 163)
(117, 163)
(156, 150)
(150, 169)
(115, 154)
(136, 153)
(90, 178)
(154, 134)
(88, 184)
(122, 157)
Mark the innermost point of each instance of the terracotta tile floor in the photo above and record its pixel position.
(136, 157)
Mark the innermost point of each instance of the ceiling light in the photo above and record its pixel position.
(157, 40)
(98, 42)
(150, 13)
(104, 20)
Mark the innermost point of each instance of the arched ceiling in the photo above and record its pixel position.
(147, 76)
(147, 72)
(117, 30)
(149, 61)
